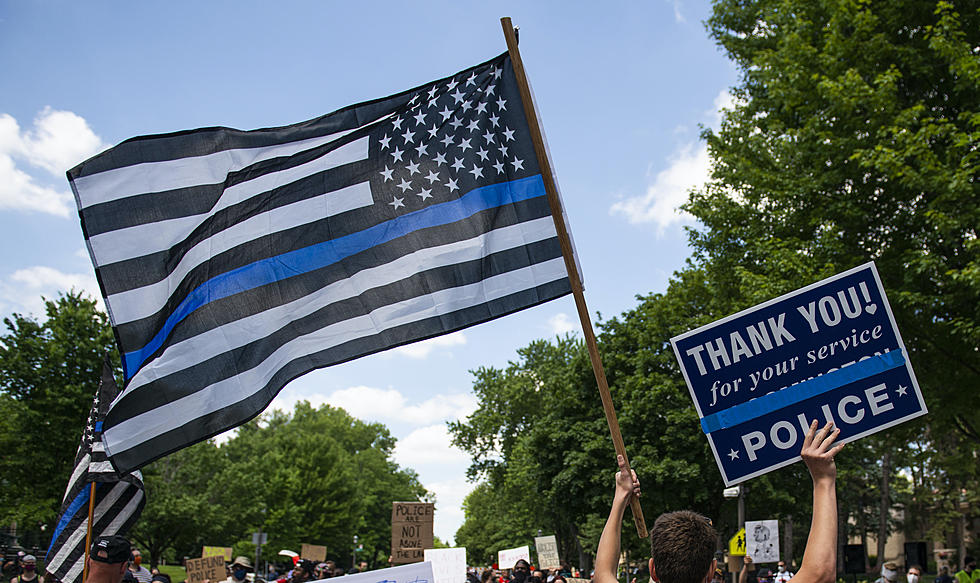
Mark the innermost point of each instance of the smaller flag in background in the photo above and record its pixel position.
(118, 499)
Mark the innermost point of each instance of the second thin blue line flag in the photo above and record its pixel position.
(234, 261)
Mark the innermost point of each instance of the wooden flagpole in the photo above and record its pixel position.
(88, 530)
(566, 248)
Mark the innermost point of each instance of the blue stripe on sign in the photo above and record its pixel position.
(323, 254)
(80, 501)
(802, 391)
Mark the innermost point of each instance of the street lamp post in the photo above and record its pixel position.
(353, 554)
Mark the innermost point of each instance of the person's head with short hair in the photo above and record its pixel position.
(969, 564)
(108, 560)
(682, 548)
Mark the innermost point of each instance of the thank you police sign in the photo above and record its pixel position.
(830, 351)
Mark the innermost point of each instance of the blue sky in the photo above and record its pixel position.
(621, 89)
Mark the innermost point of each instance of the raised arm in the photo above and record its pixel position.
(820, 557)
(743, 575)
(607, 555)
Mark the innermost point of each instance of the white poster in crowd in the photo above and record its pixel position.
(410, 573)
(547, 547)
(448, 565)
(762, 540)
(507, 557)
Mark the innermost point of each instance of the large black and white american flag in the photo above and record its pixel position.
(119, 499)
(234, 261)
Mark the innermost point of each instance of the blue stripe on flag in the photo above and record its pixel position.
(80, 501)
(802, 391)
(323, 254)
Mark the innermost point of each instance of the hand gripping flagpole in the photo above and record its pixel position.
(566, 249)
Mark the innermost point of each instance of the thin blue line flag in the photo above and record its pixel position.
(119, 500)
(234, 261)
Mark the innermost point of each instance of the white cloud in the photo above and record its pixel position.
(385, 405)
(422, 349)
(58, 141)
(677, 10)
(428, 445)
(688, 167)
(560, 324)
(22, 290)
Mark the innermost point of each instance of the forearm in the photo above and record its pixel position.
(820, 558)
(607, 555)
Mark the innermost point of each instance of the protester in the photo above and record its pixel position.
(141, 573)
(28, 570)
(889, 573)
(914, 574)
(240, 568)
(969, 574)
(943, 576)
(748, 573)
(765, 575)
(521, 571)
(783, 574)
(108, 560)
(682, 543)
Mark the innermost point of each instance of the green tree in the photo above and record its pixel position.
(49, 373)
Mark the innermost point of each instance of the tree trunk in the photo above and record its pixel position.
(885, 509)
(787, 550)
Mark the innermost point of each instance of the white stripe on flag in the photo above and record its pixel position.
(183, 172)
(147, 300)
(101, 468)
(136, 430)
(141, 240)
(77, 473)
(240, 332)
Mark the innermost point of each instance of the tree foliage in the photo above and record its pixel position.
(49, 373)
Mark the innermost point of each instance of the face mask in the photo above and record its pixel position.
(239, 574)
(137, 561)
(913, 578)
(888, 574)
(782, 569)
(520, 576)
(29, 568)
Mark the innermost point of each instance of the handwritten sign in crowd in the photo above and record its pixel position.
(313, 552)
(212, 568)
(217, 551)
(448, 565)
(829, 351)
(547, 548)
(507, 557)
(411, 531)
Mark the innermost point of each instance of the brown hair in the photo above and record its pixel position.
(682, 545)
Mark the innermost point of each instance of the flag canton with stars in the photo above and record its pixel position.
(453, 136)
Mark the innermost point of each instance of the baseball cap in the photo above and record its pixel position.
(110, 549)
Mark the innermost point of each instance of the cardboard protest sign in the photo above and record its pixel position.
(217, 551)
(762, 540)
(313, 552)
(212, 568)
(829, 351)
(411, 531)
(547, 548)
(507, 557)
(414, 573)
(448, 565)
